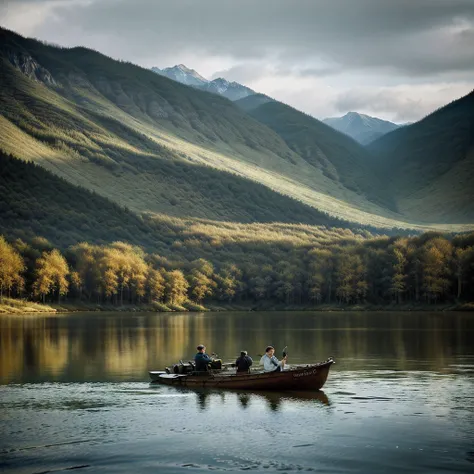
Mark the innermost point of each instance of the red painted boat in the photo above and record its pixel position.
(301, 377)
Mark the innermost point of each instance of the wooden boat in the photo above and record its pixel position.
(307, 377)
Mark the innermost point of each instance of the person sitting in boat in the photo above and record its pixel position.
(201, 359)
(243, 363)
(270, 362)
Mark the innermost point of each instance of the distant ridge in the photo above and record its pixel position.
(362, 128)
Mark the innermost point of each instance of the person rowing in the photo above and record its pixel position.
(270, 362)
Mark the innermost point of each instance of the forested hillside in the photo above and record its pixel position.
(35, 202)
(429, 166)
(64, 241)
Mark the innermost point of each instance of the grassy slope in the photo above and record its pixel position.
(95, 128)
(429, 165)
(336, 155)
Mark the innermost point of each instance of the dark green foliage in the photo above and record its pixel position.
(35, 202)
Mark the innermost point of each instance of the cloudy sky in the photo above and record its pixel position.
(395, 59)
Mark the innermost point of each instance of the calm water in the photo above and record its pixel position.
(74, 393)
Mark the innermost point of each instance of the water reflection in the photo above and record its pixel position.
(244, 399)
(101, 346)
(209, 398)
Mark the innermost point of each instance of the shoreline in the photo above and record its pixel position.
(19, 307)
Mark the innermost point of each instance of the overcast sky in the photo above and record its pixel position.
(395, 59)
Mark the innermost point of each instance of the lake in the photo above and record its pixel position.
(75, 394)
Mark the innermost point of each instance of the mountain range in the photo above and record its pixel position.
(360, 127)
(220, 86)
(161, 148)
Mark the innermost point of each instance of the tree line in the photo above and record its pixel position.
(430, 268)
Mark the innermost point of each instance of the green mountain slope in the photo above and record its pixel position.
(429, 165)
(119, 129)
(36, 205)
(31, 198)
(34, 202)
(336, 155)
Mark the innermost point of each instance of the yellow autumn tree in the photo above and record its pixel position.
(436, 255)
(201, 282)
(155, 285)
(51, 275)
(176, 287)
(11, 268)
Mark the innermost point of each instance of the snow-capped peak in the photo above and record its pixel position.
(221, 86)
(183, 74)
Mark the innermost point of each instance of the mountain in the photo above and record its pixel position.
(220, 86)
(154, 145)
(360, 127)
(337, 156)
(159, 147)
(231, 90)
(429, 165)
(182, 74)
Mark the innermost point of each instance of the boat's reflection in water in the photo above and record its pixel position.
(245, 398)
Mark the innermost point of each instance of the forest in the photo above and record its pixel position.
(425, 269)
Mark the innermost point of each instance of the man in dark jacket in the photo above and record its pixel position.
(243, 363)
(201, 359)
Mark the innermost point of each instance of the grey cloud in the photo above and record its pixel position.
(243, 73)
(376, 43)
(401, 105)
(363, 34)
(379, 102)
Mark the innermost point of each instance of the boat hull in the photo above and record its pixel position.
(310, 377)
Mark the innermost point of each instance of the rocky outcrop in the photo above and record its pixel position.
(29, 67)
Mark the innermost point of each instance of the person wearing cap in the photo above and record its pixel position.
(201, 359)
(243, 363)
(270, 362)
